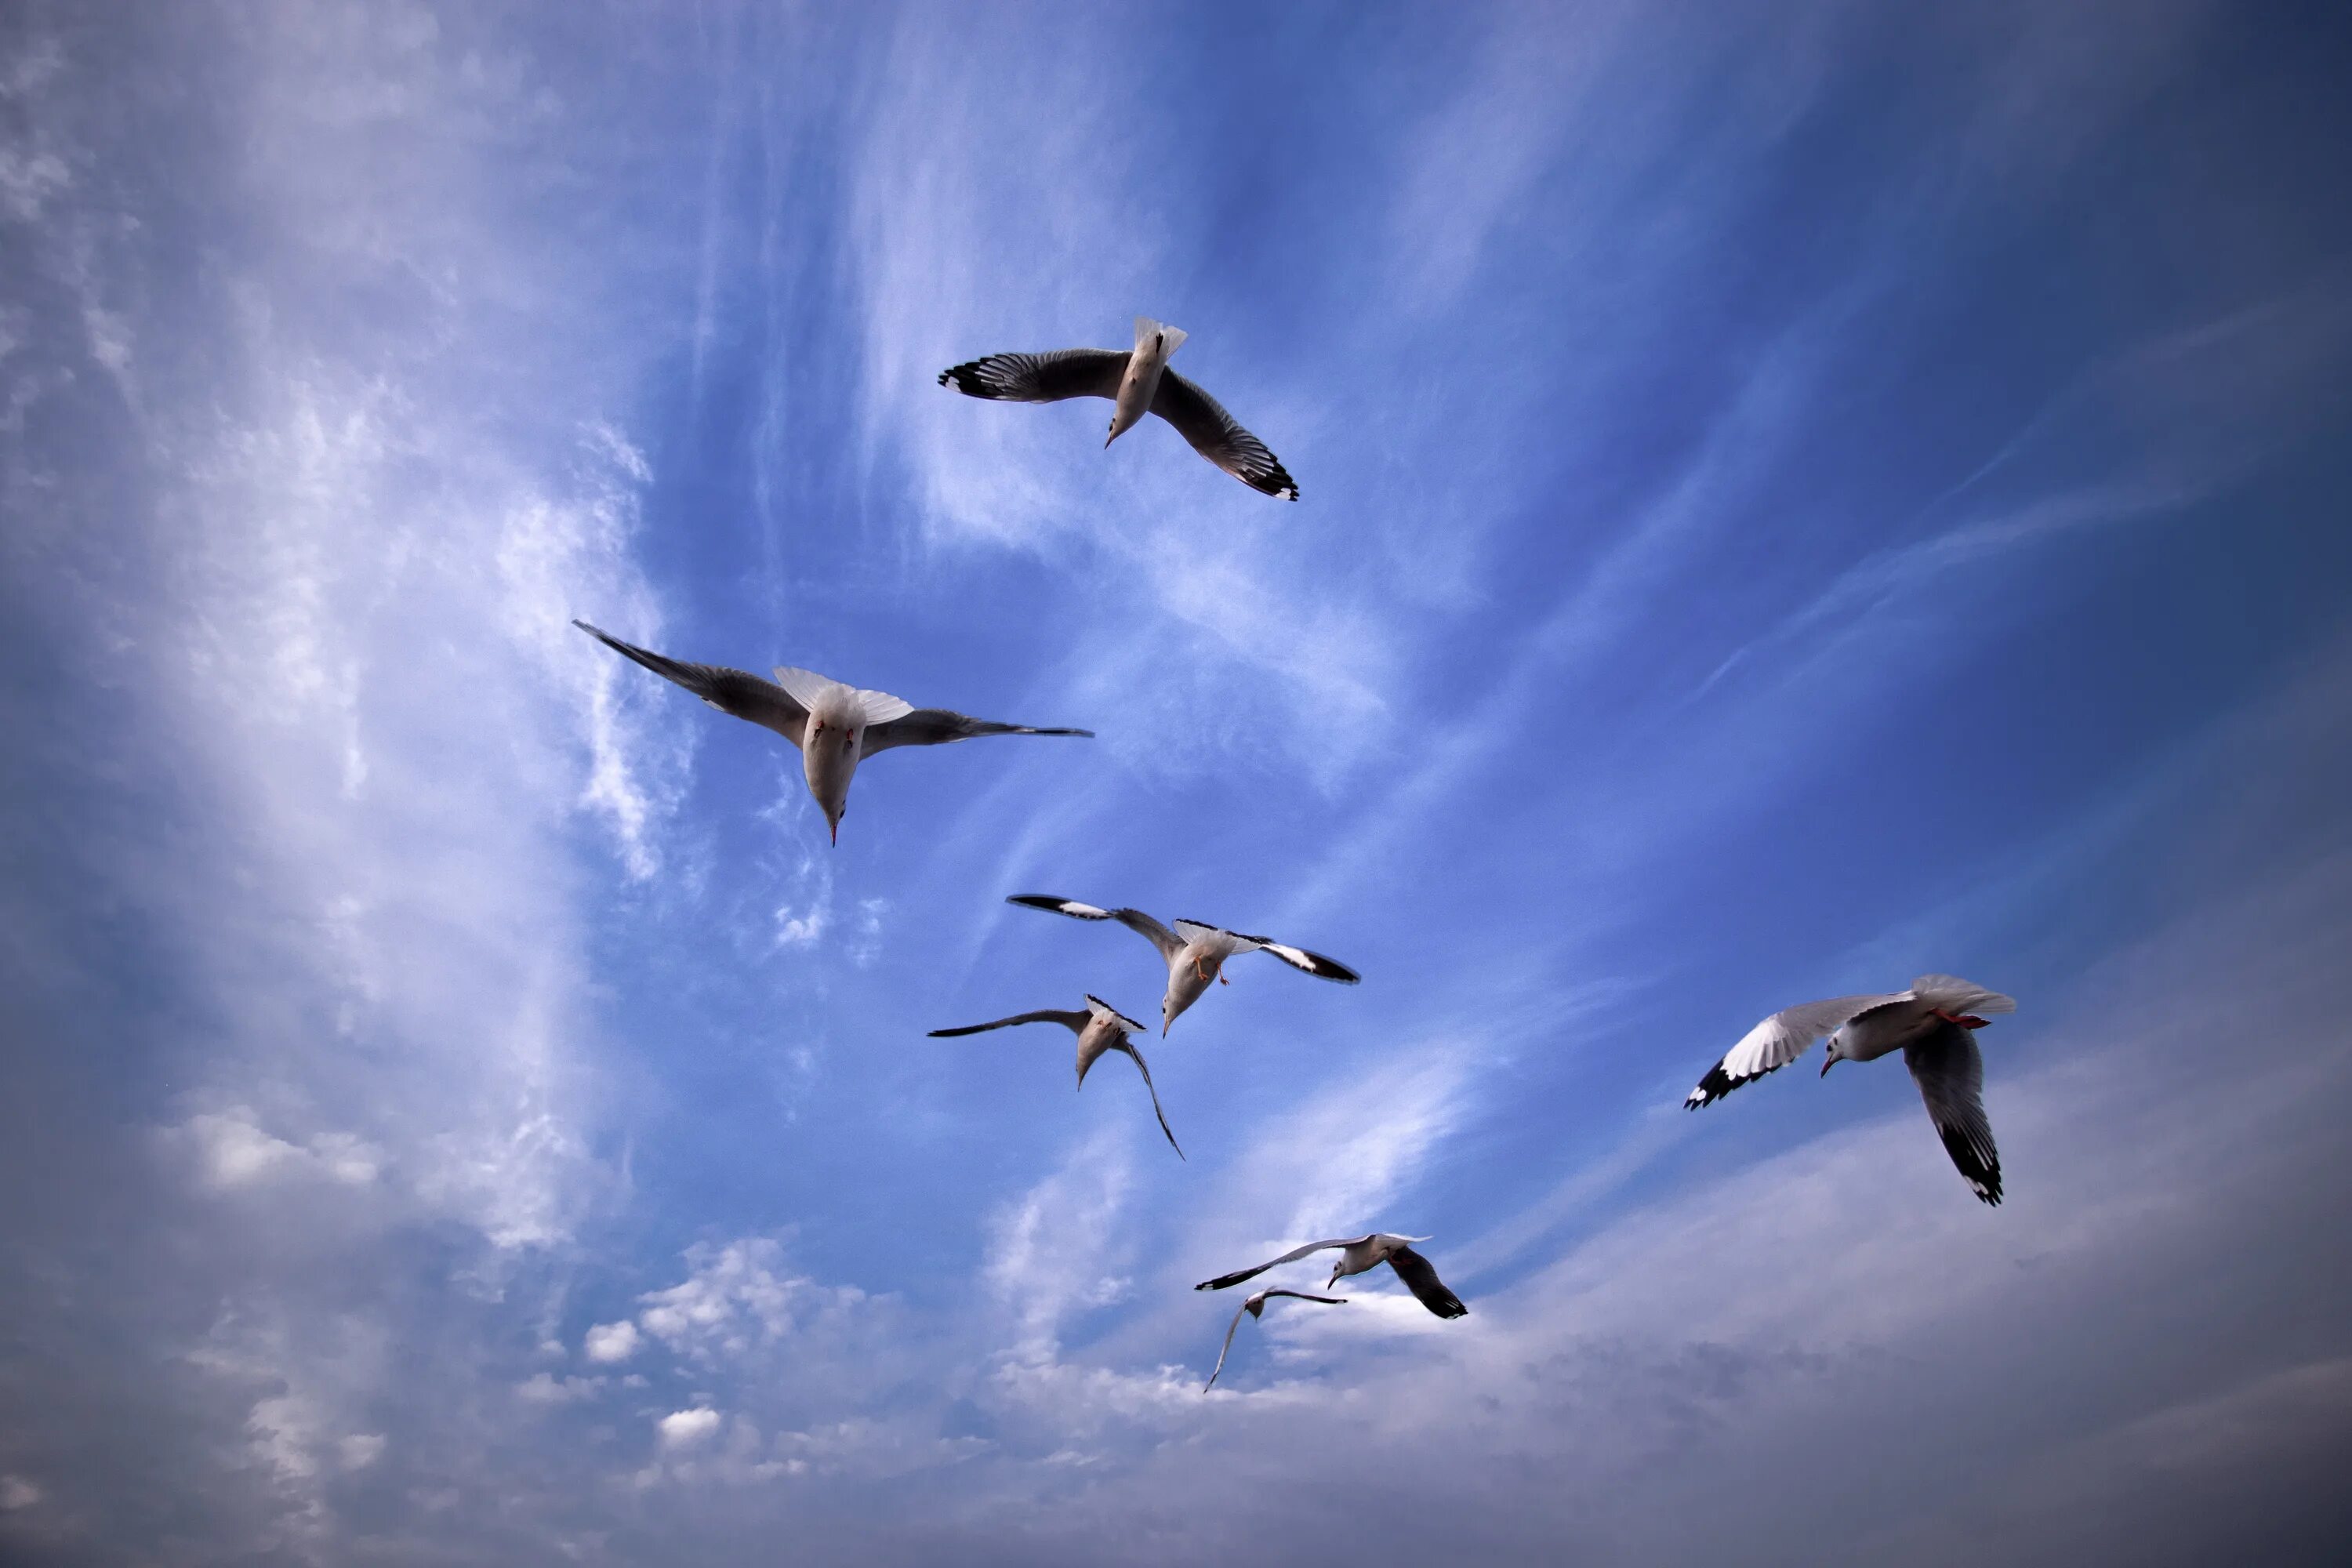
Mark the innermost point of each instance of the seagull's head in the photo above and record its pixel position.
(1833, 1053)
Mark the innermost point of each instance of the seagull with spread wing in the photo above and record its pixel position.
(1934, 1024)
(1254, 1307)
(1358, 1254)
(1138, 382)
(835, 726)
(1195, 953)
(1099, 1027)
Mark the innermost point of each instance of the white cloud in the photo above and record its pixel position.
(359, 1450)
(739, 1298)
(684, 1429)
(231, 1150)
(542, 1388)
(611, 1341)
(16, 1492)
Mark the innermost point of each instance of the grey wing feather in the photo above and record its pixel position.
(1950, 1071)
(940, 726)
(1314, 964)
(1040, 377)
(1136, 1057)
(1136, 921)
(1202, 420)
(1422, 1279)
(738, 692)
(1074, 1021)
(1225, 1281)
(1304, 1296)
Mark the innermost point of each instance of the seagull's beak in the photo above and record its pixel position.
(836, 832)
(1827, 1063)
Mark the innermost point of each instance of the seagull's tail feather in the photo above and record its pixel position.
(1145, 329)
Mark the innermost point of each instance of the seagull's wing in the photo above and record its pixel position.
(1315, 963)
(1954, 995)
(735, 691)
(1224, 1280)
(1225, 1349)
(1074, 1020)
(1136, 921)
(1136, 1057)
(1041, 378)
(1295, 1295)
(1778, 1041)
(938, 726)
(1423, 1282)
(1218, 437)
(1950, 1073)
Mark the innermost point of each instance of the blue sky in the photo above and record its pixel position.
(1791, 499)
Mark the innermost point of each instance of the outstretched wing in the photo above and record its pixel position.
(1072, 1021)
(938, 726)
(1136, 921)
(1778, 1041)
(1950, 1071)
(1225, 1281)
(734, 691)
(1040, 378)
(1140, 1065)
(1315, 963)
(1225, 1349)
(1217, 436)
(1423, 1282)
(1954, 995)
(1295, 1295)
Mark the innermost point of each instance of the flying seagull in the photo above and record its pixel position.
(1137, 382)
(1360, 1253)
(1196, 954)
(835, 726)
(1932, 1023)
(1253, 1307)
(1099, 1027)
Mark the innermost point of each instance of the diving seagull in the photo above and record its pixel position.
(1099, 1027)
(1138, 382)
(1255, 1306)
(1358, 1254)
(1196, 954)
(835, 726)
(1933, 1023)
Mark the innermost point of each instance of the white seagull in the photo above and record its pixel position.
(835, 726)
(1255, 1306)
(1932, 1023)
(1138, 382)
(1196, 954)
(1099, 1027)
(1360, 1253)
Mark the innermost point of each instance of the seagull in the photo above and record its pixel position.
(1099, 1027)
(835, 726)
(1933, 1023)
(1253, 1307)
(1196, 954)
(1137, 382)
(1358, 1254)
